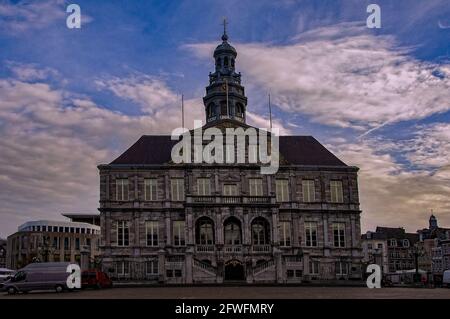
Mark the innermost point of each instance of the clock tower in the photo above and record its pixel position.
(225, 96)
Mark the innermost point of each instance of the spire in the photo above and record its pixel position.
(225, 35)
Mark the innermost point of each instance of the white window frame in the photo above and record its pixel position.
(406, 243)
(342, 266)
(310, 227)
(177, 189)
(255, 187)
(121, 269)
(121, 226)
(154, 267)
(309, 190)
(203, 186)
(337, 192)
(150, 189)
(282, 190)
(152, 228)
(340, 227)
(230, 190)
(313, 267)
(122, 184)
(285, 233)
(180, 231)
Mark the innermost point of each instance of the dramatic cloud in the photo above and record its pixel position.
(344, 76)
(30, 71)
(17, 17)
(393, 194)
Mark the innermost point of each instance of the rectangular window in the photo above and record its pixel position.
(282, 190)
(179, 233)
(150, 189)
(255, 185)
(339, 235)
(341, 268)
(336, 192)
(122, 189)
(285, 234)
(123, 233)
(151, 228)
(203, 187)
(229, 190)
(77, 243)
(177, 189)
(309, 191)
(151, 267)
(313, 267)
(123, 268)
(66, 243)
(311, 234)
(56, 242)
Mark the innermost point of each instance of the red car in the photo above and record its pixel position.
(95, 279)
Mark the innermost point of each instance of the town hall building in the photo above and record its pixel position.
(193, 223)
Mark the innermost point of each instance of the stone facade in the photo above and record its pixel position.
(3, 253)
(209, 223)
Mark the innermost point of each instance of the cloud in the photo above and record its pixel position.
(344, 76)
(393, 194)
(30, 71)
(21, 16)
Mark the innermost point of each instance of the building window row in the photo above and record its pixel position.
(204, 189)
(205, 233)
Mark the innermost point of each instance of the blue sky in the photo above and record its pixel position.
(379, 98)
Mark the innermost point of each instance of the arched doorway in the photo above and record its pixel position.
(234, 270)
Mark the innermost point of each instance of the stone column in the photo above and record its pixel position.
(85, 253)
(168, 229)
(188, 265)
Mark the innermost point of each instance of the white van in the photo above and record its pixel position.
(39, 276)
(5, 274)
(446, 279)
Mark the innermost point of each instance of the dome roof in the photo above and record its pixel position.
(225, 47)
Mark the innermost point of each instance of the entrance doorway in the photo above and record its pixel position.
(234, 270)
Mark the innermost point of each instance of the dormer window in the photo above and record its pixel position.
(405, 243)
(393, 243)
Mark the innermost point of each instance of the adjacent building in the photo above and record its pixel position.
(47, 241)
(211, 223)
(392, 248)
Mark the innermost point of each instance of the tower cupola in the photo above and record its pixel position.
(225, 96)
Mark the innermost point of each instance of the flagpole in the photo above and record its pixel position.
(270, 114)
(182, 110)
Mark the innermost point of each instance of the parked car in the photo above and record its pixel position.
(446, 279)
(38, 276)
(95, 279)
(6, 274)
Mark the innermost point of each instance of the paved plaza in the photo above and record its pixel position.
(243, 292)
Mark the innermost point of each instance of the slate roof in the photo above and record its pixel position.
(295, 150)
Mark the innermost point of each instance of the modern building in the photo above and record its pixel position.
(188, 223)
(47, 241)
(400, 252)
(3, 253)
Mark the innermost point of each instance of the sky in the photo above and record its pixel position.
(71, 99)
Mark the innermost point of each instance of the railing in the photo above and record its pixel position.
(261, 248)
(293, 261)
(263, 267)
(205, 266)
(205, 248)
(220, 199)
(231, 200)
(203, 199)
(258, 199)
(233, 249)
